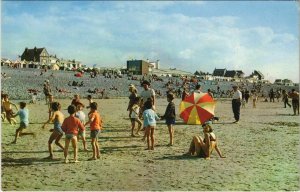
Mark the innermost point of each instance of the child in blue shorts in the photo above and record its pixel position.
(24, 121)
(169, 116)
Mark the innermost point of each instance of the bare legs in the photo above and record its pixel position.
(19, 133)
(95, 146)
(74, 144)
(150, 137)
(171, 133)
(54, 136)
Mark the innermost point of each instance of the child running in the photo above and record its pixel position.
(23, 113)
(70, 126)
(57, 118)
(81, 116)
(95, 122)
(149, 123)
(170, 117)
(134, 116)
(7, 106)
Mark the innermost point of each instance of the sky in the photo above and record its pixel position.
(187, 35)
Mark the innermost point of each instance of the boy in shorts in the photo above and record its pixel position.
(95, 122)
(24, 122)
(169, 116)
(70, 126)
(7, 106)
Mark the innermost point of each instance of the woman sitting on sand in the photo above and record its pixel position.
(204, 147)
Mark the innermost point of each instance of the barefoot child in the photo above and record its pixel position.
(70, 126)
(149, 123)
(24, 122)
(57, 118)
(134, 116)
(95, 122)
(170, 117)
(81, 116)
(7, 106)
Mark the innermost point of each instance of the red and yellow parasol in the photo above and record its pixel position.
(197, 108)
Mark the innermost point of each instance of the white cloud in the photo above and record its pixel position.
(141, 30)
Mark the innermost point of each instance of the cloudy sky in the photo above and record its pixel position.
(193, 35)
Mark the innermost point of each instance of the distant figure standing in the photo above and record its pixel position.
(236, 103)
(285, 98)
(295, 100)
(47, 90)
(185, 93)
(272, 95)
(247, 95)
(254, 98)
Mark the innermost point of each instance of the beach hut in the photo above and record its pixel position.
(55, 67)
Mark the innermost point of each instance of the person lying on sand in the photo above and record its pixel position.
(204, 147)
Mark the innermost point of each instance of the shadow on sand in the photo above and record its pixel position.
(10, 162)
(178, 157)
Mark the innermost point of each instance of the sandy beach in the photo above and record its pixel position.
(262, 154)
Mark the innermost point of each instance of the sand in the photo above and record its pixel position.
(262, 154)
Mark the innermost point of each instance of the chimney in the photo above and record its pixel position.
(157, 64)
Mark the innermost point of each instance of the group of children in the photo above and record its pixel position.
(73, 126)
(149, 119)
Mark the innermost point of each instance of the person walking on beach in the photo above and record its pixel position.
(57, 118)
(134, 116)
(96, 124)
(295, 100)
(70, 126)
(170, 116)
(7, 106)
(149, 123)
(236, 103)
(23, 113)
(204, 147)
(285, 98)
(81, 116)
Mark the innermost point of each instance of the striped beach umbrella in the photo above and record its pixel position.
(197, 108)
